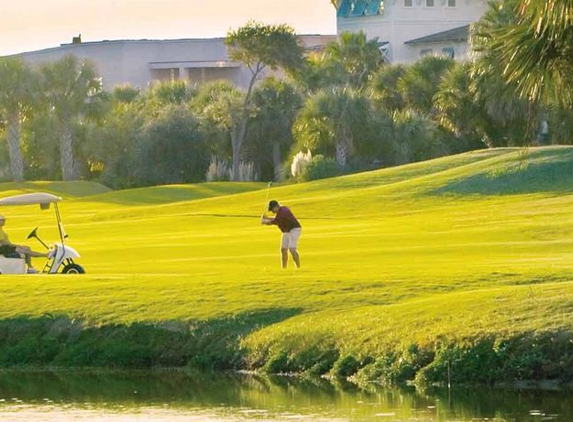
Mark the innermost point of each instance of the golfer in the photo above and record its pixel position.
(10, 250)
(289, 226)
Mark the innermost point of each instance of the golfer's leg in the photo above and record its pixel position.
(295, 256)
(284, 249)
(25, 251)
(29, 252)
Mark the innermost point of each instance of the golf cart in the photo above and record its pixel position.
(60, 256)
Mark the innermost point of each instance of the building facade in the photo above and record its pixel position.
(140, 63)
(410, 29)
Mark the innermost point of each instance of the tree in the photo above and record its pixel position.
(420, 82)
(172, 148)
(349, 61)
(534, 49)
(276, 105)
(112, 145)
(457, 107)
(18, 84)
(319, 72)
(171, 92)
(73, 90)
(259, 47)
(335, 120)
(220, 106)
(384, 88)
(416, 137)
(511, 119)
(356, 56)
(125, 94)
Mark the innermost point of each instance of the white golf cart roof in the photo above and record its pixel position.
(38, 198)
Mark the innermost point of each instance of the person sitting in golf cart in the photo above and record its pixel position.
(10, 250)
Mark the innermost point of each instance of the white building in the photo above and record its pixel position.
(141, 62)
(410, 29)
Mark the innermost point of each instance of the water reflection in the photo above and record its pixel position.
(178, 396)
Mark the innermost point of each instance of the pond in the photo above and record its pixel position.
(67, 396)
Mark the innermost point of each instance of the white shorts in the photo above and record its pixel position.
(290, 239)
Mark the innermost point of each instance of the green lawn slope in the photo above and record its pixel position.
(64, 189)
(458, 269)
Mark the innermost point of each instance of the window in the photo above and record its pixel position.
(374, 7)
(451, 3)
(408, 3)
(354, 8)
(429, 3)
(426, 52)
(358, 7)
(448, 52)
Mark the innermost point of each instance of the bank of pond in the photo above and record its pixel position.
(218, 345)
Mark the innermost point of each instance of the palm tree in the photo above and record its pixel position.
(220, 107)
(17, 88)
(171, 92)
(72, 88)
(357, 57)
(458, 110)
(511, 117)
(276, 105)
(333, 120)
(534, 48)
(420, 82)
(384, 88)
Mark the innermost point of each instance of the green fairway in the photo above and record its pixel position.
(409, 261)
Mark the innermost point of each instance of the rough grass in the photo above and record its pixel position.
(448, 266)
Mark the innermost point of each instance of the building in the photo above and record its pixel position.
(410, 29)
(142, 62)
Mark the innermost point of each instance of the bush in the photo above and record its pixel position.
(299, 162)
(247, 172)
(321, 168)
(345, 366)
(218, 170)
(277, 364)
(416, 137)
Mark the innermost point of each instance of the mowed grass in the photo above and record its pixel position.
(479, 244)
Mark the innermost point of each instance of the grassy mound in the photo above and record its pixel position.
(176, 193)
(64, 189)
(455, 269)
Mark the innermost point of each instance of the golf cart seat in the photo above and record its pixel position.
(12, 265)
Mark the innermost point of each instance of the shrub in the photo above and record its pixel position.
(247, 172)
(345, 366)
(278, 363)
(218, 170)
(299, 162)
(416, 137)
(320, 168)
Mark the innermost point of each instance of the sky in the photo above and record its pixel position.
(34, 24)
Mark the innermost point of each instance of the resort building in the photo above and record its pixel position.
(409, 29)
(142, 62)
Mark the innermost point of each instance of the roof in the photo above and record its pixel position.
(30, 199)
(304, 38)
(459, 34)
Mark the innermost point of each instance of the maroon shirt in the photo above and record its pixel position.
(285, 220)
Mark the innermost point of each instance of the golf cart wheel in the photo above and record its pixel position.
(73, 269)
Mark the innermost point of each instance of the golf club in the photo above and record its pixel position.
(267, 199)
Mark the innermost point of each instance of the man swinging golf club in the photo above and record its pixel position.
(289, 226)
